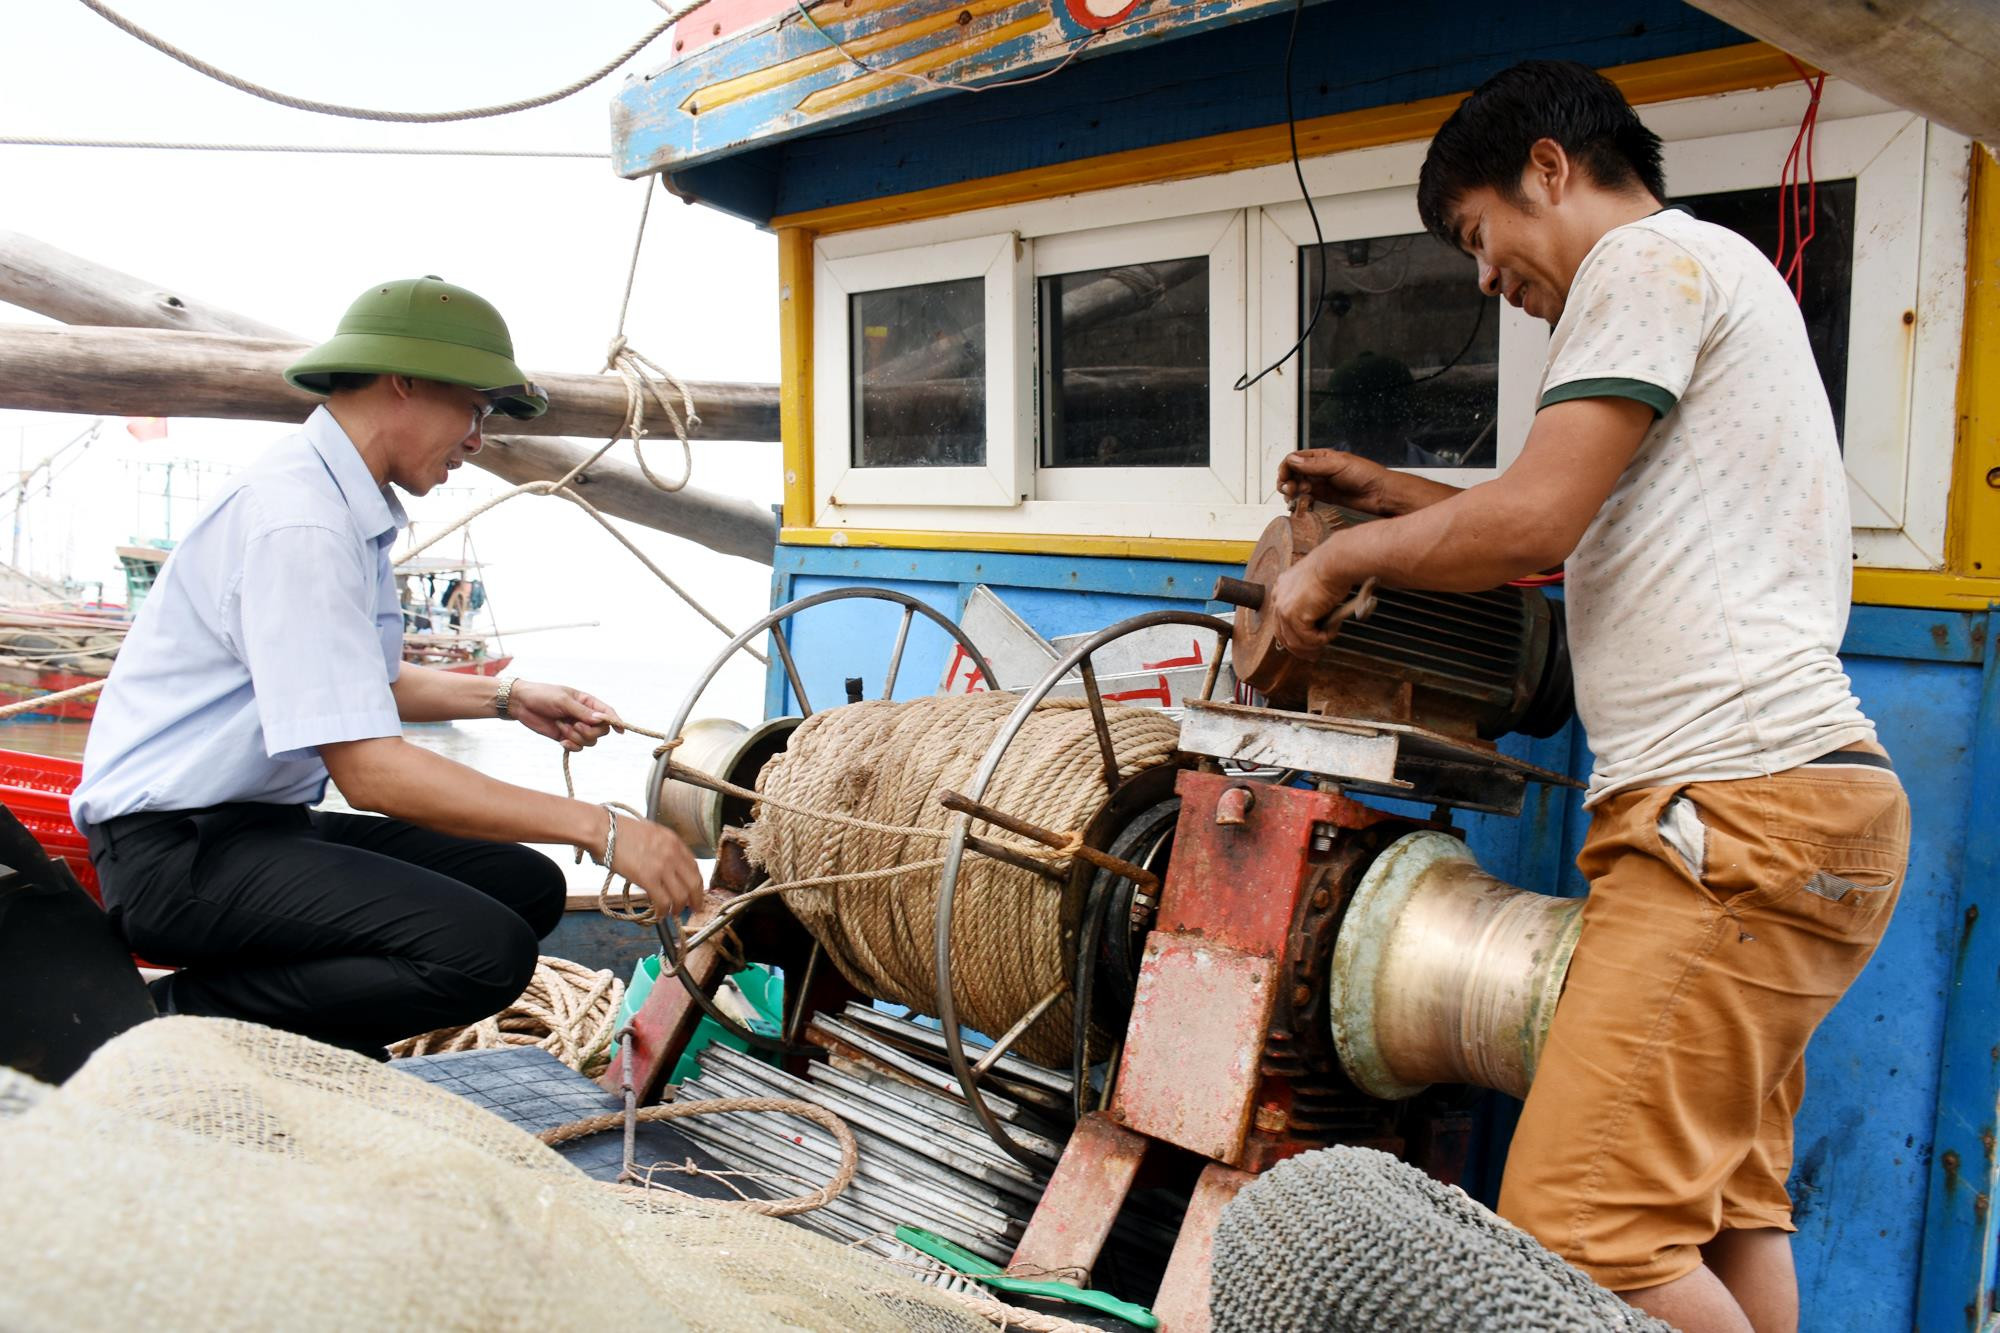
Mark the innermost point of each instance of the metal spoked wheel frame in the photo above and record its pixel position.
(1077, 659)
(773, 623)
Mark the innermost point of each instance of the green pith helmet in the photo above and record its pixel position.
(430, 330)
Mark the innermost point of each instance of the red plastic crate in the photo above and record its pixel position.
(36, 790)
(39, 772)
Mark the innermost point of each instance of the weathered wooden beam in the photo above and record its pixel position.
(161, 373)
(1938, 58)
(50, 281)
(146, 372)
(719, 522)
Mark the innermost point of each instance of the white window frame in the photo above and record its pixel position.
(1218, 237)
(1911, 181)
(1886, 157)
(1287, 229)
(1003, 480)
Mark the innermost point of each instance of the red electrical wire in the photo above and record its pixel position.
(1805, 221)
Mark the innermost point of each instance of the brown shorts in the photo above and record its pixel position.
(1661, 1112)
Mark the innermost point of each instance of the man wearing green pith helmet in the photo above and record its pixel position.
(268, 658)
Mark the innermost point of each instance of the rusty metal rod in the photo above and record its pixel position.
(1139, 875)
(896, 654)
(779, 636)
(1239, 592)
(1013, 1034)
(1000, 852)
(1102, 724)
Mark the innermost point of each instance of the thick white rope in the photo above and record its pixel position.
(43, 700)
(200, 66)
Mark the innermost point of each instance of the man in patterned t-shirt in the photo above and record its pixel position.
(1748, 834)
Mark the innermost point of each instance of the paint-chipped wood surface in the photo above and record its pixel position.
(786, 77)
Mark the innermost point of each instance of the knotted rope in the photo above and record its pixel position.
(848, 824)
(643, 378)
(568, 1010)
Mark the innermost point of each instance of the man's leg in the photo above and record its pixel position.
(520, 878)
(1695, 1302)
(1661, 1114)
(1756, 1266)
(273, 924)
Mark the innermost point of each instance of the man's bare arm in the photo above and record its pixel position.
(425, 694)
(1339, 478)
(1529, 518)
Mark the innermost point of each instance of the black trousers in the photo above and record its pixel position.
(351, 929)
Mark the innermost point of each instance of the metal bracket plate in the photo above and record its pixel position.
(1380, 758)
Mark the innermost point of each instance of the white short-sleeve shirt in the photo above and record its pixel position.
(273, 629)
(1708, 597)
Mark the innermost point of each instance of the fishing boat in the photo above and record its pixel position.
(1021, 340)
(1021, 337)
(48, 648)
(443, 600)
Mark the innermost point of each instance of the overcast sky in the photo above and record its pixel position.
(292, 238)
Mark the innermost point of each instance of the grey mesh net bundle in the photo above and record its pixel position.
(1350, 1240)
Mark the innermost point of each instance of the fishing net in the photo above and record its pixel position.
(1350, 1240)
(205, 1173)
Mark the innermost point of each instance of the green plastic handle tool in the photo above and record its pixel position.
(980, 1270)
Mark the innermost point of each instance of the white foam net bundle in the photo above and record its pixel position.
(199, 1173)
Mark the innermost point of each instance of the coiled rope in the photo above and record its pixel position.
(200, 66)
(850, 820)
(567, 1009)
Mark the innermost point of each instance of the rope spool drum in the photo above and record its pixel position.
(890, 762)
(1444, 974)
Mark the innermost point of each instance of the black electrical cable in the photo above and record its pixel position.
(1319, 239)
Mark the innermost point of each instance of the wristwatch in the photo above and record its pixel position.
(503, 696)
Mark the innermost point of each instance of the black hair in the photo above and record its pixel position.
(341, 381)
(1486, 141)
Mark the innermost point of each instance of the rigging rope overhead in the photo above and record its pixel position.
(28, 141)
(201, 66)
(642, 378)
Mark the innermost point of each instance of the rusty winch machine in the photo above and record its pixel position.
(1281, 966)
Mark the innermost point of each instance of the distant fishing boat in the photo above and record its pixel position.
(48, 647)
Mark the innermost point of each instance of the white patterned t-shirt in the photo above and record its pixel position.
(1708, 597)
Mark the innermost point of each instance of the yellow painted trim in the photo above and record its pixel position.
(1930, 589)
(1872, 587)
(795, 369)
(1972, 525)
(1730, 69)
(1020, 543)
